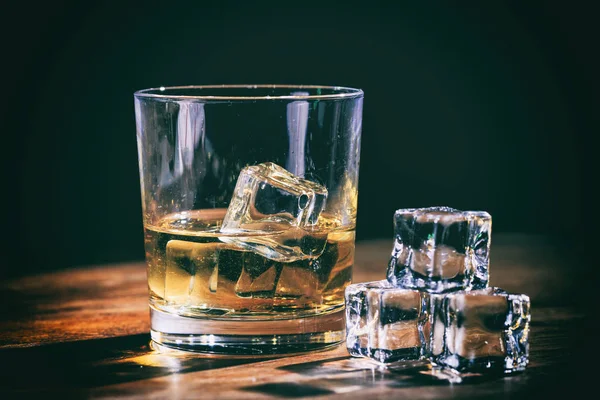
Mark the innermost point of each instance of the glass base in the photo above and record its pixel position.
(239, 337)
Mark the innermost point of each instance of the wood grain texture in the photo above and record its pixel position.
(83, 333)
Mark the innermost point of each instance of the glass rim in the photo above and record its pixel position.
(343, 92)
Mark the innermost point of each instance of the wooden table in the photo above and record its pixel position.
(83, 333)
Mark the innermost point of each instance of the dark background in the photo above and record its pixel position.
(474, 105)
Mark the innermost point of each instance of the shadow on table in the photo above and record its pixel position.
(78, 366)
(345, 375)
(98, 362)
(351, 377)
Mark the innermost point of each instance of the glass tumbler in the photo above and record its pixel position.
(249, 197)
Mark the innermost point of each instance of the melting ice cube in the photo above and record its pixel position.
(384, 322)
(274, 213)
(439, 249)
(484, 329)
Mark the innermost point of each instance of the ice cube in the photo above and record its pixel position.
(211, 277)
(258, 277)
(485, 329)
(189, 265)
(357, 330)
(384, 323)
(275, 213)
(440, 249)
(297, 287)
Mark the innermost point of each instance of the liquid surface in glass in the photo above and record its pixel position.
(194, 269)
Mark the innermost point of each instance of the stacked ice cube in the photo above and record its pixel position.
(436, 304)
